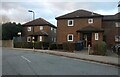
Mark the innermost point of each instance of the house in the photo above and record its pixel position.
(40, 30)
(111, 25)
(80, 25)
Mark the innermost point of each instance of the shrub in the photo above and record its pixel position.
(60, 46)
(38, 45)
(53, 46)
(99, 48)
(27, 45)
(23, 45)
(67, 46)
(17, 45)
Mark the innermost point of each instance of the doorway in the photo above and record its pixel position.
(87, 38)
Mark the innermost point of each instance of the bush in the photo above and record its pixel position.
(17, 44)
(100, 48)
(60, 46)
(23, 45)
(67, 46)
(38, 45)
(53, 46)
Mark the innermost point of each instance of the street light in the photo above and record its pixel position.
(33, 27)
(19, 33)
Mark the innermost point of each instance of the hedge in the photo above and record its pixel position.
(37, 45)
(99, 48)
(69, 47)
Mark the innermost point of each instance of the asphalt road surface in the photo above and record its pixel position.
(21, 62)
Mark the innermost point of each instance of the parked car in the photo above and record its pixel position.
(116, 49)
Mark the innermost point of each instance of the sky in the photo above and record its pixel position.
(17, 11)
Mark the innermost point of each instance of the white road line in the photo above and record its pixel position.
(25, 58)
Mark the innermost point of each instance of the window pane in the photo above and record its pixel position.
(70, 22)
(28, 28)
(70, 37)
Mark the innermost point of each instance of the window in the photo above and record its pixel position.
(28, 39)
(54, 39)
(54, 30)
(90, 21)
(70, 22)
(40, 38)
(28, 28)
(117, 38)
(117, 24)
(51, 28)
(96, 36)
(70, 37)
(41, 27)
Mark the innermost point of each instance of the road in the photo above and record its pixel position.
(21, 62)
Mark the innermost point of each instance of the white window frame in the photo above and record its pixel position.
(29, 29)
(28, 39)
(117, 24)
(51, 28)
(40, 38)
(54, 39)
(68, 37)
(117, 38)
(54, 30)
(90, 21)
(41, 27)
(70, 21)
(96, 36)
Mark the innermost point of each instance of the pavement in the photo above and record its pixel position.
(82, 55)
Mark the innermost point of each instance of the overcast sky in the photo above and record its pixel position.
(17, 11)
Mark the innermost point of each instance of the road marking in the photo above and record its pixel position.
(25, 58)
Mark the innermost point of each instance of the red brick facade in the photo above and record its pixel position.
(78, 23)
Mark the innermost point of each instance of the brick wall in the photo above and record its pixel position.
(63, 29)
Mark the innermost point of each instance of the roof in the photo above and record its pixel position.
(39, 33)
(115, 17)
(39, 22)
(90, 29)
(79, 14)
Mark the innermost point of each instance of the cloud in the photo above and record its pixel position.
(13, 12)
(18, 11)
(108, 12)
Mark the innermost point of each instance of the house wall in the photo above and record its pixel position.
(63, 29)
(110, 32)
(46, 28)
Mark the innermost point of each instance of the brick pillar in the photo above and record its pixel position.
(78, 36)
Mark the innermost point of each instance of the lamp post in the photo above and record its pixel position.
(19, 33)
(33, 38)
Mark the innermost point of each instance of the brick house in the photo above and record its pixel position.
(111, 25)
(80, 25)
(43, 31)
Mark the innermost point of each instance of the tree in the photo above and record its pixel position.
(10, 30)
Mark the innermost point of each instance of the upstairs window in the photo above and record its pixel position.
(70, 22)
(41, 27)
(51, 28)
(70, 37)
(28, 29)
(54, 30)
(90, 21)
(117, 24)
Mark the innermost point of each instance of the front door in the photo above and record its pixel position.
(87, 37)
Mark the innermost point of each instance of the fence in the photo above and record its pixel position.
(6, 43)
